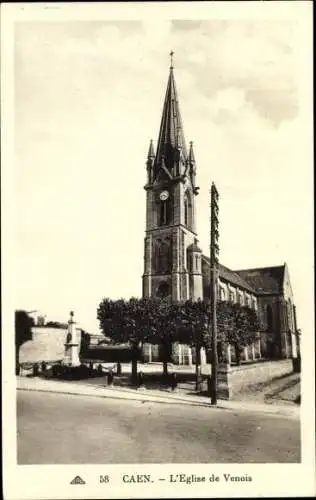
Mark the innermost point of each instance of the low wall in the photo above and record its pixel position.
(47, 344)
(237, 379)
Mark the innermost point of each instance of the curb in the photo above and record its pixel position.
(277, 412)
(111, 396)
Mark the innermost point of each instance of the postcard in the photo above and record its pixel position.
(157, 228)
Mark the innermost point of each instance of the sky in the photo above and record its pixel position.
(88, 99)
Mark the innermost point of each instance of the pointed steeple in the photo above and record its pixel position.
(151, 152)
(150, 162)
(171, 137)
(191, 154)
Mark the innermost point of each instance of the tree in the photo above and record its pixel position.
(160, 327)
(84, 345)
(110, 314)
(137, 321)
(128, 321)
(238, 326)
(23, 333)
(194, 331)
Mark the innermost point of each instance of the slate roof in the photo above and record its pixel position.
(261, 280)
(232, 277)
(264, 279)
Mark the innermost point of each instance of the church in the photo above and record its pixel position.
(174, 264)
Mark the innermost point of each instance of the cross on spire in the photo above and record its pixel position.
(171, 59)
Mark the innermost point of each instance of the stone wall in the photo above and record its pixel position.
(237, 379)
(47, 344)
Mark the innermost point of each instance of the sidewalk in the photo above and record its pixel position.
(150, 395)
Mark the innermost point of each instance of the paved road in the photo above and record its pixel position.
(64, 429)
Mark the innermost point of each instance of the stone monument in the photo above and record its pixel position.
(71, 356)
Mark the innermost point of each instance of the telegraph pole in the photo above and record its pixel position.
(214, 251)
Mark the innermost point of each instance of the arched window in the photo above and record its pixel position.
(164, 216)
(187, 210)
(163, 256)
(269, 317)
(289, 314)
(157, 253)
(189, 261)
(240, 298)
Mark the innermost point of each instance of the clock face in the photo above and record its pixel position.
(164, 195)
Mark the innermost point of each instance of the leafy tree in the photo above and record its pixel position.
(238, 325)
(84, 344)
(137, 321)
(193, 330)
(126, 321)
(23, 333)
(162, 325)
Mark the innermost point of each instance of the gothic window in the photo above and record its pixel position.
(286, 314)
(164, 212)
(289, 314)
(189, 261)
(157, 255)
(187, 210)
(163, 256)
(240, 298)
(269, 318)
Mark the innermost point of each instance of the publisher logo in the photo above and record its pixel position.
(77, 480)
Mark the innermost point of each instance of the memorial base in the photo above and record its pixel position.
(71, 357)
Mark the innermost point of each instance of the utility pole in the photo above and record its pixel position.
(214, 252)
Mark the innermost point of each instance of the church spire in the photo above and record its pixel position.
(191, 154)
(151, 152)
(171, 140)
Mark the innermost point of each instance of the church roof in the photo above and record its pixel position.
(232, 277)
(171, 136)
(261, 280)
(264, 279)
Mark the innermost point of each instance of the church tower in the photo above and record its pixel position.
(172, 258)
